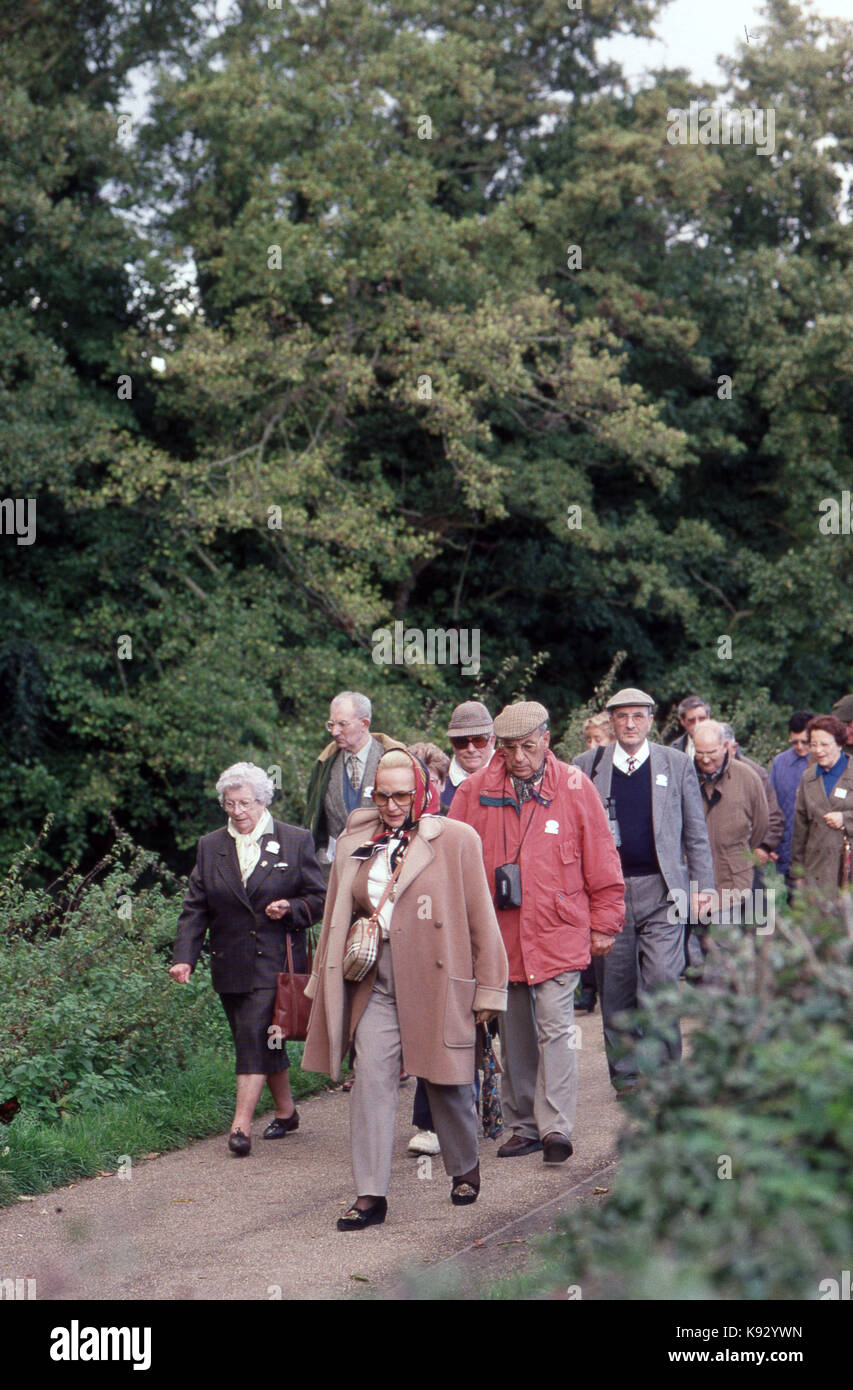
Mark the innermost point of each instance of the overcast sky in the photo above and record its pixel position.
(693, 34)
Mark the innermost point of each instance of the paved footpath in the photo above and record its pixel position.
(200, 1223)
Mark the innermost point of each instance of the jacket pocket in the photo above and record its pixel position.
(571, 876)
(459, 1013)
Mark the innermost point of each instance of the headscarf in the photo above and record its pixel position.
(424, 803)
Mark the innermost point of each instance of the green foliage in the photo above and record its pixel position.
(768, 1085)
(88, 1013)
(392, 419)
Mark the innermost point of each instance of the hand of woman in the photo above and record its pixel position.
(278, 908)
(834, 819)
(483, 1015)
(181, 973)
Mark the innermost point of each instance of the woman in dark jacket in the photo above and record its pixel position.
(823, 810)
(254, 880)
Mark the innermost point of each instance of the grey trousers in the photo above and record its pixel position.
(648, 952)
(376, 1094)
(539, 1088)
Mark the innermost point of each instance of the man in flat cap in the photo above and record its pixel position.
(654, 805)
(472, 737)
(559, 895)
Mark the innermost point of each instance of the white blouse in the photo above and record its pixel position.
(377, 880)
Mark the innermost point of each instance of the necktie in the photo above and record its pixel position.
(632, 764)
(354, 770)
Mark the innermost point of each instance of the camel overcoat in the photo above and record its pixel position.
(815, 848)
(446, 948)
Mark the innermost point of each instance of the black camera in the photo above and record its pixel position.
(508, 885)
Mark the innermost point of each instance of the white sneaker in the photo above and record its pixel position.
(424, 1142)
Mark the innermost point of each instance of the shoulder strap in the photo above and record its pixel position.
(599, 754)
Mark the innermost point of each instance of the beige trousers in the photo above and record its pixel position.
(376, 1094)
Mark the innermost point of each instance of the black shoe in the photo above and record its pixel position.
(466, 1189)
(355, 1219)
(557, 1148)
(278, 1128)
(518, 1146)
(586, 1003)
(239, 1144)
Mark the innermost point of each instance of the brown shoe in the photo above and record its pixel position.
(557, 1148)
(518, 1146)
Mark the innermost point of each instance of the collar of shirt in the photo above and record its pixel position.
(458, 774)
(361, 755)
(248, 846)
(620, 757)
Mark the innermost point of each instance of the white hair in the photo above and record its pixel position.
(246, 775)
(360, 703)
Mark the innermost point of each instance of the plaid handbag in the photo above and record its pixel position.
(365, 936)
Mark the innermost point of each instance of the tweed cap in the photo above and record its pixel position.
(843, 708)
(469, 718)
(629, 696)
(517, 721)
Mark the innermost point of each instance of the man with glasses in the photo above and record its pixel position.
(558, 890)
(786, 771)
(654, 805)
(472, 738)
(342, 777)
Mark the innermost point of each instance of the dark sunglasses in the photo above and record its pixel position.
(401, 799)
(478, 740)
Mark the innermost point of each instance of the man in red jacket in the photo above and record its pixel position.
(560, 896)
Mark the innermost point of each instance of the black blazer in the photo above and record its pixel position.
(247, 948)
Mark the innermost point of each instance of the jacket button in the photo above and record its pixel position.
(439, 962)
(439, 924)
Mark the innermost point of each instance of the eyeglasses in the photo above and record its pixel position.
(510, 745)
(478, 740)
(401, 799)
(342, 724)
(237, 805)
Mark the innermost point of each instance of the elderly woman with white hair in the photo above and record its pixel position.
(254, 880)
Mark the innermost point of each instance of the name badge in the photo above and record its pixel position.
(273, 847)
(661, 780)
(552, 827)
(840, 791)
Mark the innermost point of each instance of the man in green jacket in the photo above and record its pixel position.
(342, 777)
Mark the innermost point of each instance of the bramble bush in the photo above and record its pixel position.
(88, 1012)
(735, 1178)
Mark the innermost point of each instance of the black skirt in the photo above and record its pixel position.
(249, 1016)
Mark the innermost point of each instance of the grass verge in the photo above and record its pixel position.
(180, 1106)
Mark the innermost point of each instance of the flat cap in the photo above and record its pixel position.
(843, 708)
(629, 696)
(469, 718)
(517, 721)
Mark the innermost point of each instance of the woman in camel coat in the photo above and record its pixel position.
(823, 811)
(442, 967)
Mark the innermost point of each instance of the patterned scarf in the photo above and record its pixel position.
(425, 802)
(525, 787)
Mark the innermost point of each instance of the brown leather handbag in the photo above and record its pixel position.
(292, 1010)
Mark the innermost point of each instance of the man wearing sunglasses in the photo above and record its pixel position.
(472, 737)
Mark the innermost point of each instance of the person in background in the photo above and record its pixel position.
(691, 712)
(652, 797)
(736, 817)
(823, 812)
(843, 710)
(767, 850)
(254, 880)
(786, 771)
(598, 730)
(438, 766)
(342, 777)
(472, 737)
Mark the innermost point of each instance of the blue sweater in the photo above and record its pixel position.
(786, 773)
(632, 798)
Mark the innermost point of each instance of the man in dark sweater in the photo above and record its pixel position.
(651, 795)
